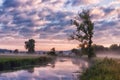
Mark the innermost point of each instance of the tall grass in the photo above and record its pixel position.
(17, 63)
(107, 69)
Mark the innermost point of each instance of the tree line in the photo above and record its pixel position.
(98, 48)
(112, 47)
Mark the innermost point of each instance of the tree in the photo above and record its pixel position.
(16, 51)
(30, 45)
(114, 47)
(98, 48)
(84, 32)
(76, 52)
(52, 52)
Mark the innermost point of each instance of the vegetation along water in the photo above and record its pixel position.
(106, 69)
(13, 63)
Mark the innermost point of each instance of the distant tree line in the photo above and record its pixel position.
(98, 48)
(30, 46)
(113, 47)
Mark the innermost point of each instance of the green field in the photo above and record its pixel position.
(106, 69)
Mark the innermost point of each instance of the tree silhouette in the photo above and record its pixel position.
(16, 51)
(99, 48)
(76, 52)
(52, 52)
(114, 47)
(30, 45)
(84, 32)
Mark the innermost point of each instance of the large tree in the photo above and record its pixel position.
(84, 32)
(30, 45)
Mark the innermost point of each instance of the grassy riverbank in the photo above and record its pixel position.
(106, 69)
(19, 62)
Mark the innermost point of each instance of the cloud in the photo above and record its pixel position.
(50, 19)
(1, 2)
(33, 14)
(82, 2)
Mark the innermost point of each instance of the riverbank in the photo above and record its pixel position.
(104, 69)
(62, 68)
(15, 62)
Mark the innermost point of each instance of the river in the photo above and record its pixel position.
(61, 69)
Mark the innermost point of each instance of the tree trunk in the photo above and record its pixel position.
(90, 50)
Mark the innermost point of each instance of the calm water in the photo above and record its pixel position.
(61, 69)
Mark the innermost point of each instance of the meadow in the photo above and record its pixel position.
(103, 69)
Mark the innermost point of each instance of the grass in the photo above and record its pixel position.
(20, 62)
(106, 69)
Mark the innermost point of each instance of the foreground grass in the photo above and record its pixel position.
(13, 62)
(107, 69)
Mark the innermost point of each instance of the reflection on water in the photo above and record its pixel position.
(62, 69)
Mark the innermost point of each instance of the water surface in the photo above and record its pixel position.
(61, 69)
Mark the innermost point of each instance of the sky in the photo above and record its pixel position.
(49, 22)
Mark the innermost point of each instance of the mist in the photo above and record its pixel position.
(108, 54)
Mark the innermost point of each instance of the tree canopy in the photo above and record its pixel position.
(30, 45)
(84, 32)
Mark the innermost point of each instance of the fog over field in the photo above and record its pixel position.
(109, 54)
